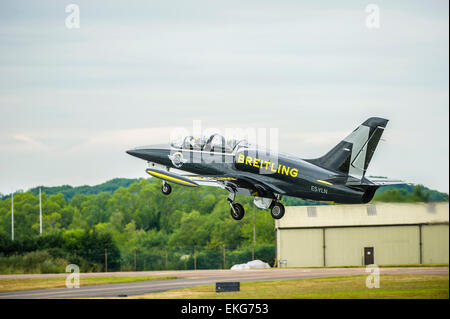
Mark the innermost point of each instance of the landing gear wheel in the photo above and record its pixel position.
(166, 189)
(238, 212)
(277, 210)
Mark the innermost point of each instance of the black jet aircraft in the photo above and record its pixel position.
(243, 168)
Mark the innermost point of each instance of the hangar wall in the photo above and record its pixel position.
(342, 235)
(392, 245)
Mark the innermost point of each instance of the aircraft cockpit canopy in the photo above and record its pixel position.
(211, 143)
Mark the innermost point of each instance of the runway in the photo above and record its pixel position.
(193, 278)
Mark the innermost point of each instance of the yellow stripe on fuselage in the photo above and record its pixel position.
(215, 178)
(170, 178)
(324, 182)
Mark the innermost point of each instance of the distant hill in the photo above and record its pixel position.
(70, 191)
(405, 189)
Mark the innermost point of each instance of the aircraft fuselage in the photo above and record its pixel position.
(257, 173)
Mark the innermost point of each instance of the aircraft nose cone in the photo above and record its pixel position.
(153, 153)
(135, 152)
(131, 152)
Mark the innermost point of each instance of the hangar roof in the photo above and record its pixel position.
(364, 215)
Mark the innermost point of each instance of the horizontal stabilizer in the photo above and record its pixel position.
(375, 181)
(386, 181)
(171, 177)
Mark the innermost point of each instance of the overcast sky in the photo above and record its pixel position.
(73, 100)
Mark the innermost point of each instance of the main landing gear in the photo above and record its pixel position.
(277, 210)
(237, 210)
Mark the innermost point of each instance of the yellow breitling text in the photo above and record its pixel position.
(256, 162)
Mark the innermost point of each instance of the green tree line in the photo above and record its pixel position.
(134, 218)
(129, 224)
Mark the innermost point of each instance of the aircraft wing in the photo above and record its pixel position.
(240, 184)
(208, 180)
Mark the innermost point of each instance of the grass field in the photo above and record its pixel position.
(40, 283)
(349, 287)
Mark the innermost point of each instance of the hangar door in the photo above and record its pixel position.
(301, 247)
(369, 258)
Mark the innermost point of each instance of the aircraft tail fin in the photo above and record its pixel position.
(353, 154)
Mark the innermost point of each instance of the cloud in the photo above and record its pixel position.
(28, 144)
(79, 98)
(121, 140)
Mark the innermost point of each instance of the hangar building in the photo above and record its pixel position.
(357, 235)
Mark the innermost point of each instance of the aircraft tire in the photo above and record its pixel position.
(277, 210)
(239, 214)
(166, 189)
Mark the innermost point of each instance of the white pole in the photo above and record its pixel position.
(254, 231)
(40, 212)
(12, 216)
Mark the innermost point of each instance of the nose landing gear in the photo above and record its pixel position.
(166, 189)
(237, 210)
